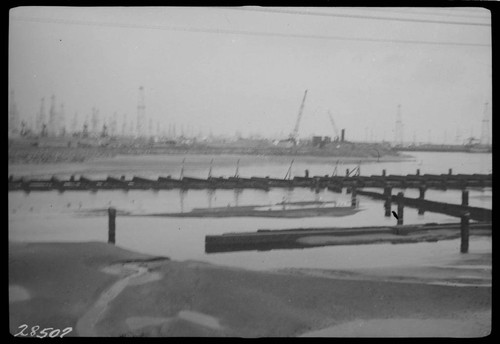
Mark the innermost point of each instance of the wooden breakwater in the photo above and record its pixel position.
(333, 183)
(456, 210)
(263, 240)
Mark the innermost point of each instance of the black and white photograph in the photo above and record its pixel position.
(250, 171)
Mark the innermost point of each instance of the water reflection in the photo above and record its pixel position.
(237, 193)
(182, 195)
(210, 194)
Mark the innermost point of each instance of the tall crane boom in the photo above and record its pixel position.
(294, 134)
(333, 125)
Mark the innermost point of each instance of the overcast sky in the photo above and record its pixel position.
(246, 69)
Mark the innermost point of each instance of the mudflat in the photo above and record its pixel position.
(102, 290)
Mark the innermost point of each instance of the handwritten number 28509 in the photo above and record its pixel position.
(43, 333)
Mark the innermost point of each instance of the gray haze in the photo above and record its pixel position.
(236, 81)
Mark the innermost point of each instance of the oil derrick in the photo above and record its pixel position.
(124, 124)
(74, 124)
(95, 120)
(398, 139)
(485, 129)
(141, 113)
(24, 130)
(112, 125)
(62, 121)
(104, 132)
(13, 116)
(53, 117)
(131, 127)
(40, 120)
(85, 127)
(458, 136)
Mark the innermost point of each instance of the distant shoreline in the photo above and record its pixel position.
(47, 155)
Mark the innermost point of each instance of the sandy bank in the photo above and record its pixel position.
(144, 297)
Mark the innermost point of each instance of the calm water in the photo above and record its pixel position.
(53, 216)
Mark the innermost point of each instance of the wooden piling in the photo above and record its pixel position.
(421, 196)
(400, 208)
(316, 184)
(464, 233)
(387, 203)
(353, 197)
(465, 197)
(111, 225)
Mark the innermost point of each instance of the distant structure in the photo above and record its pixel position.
(13, 116)
(141, 113)
(485, 130)
(398, 139)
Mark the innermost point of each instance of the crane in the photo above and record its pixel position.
(295, 132)
(337, 136)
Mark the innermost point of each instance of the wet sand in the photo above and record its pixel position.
(99, 289)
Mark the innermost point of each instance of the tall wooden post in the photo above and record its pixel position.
(111, 225)
(383, 173)
(400, 208)
(353, 197)
(316, 185)
(464, 233)
(387, 203)
(450, 172)
(465, 198)
(418, 171)
(422, 189)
